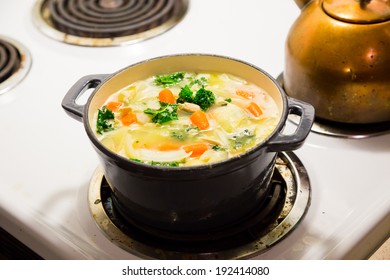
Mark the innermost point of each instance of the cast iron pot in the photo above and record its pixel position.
(189, 200)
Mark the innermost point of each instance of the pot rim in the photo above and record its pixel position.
(250, 154)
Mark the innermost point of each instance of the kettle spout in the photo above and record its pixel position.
(301, 3)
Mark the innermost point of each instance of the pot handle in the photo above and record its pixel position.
(69, 104)
(280, 142)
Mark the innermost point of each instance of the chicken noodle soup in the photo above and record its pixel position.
(186, 119)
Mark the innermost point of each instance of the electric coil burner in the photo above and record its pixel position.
(343, 130)
(107, 22)
(286, 205)
(15, 62)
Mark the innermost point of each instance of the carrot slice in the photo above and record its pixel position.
(114, 105)
(124, 111)
(168, 146)
(196, 150)
(199, 119)
(128, 119)
(166, 96)
(245, 94)
(254, 109)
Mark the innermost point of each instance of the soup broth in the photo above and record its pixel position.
(186, 119)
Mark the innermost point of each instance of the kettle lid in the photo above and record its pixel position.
(358, 11)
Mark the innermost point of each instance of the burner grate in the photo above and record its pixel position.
(112, 22)
(10, 60)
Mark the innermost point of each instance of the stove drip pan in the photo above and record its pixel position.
(106, 22)
(351, 131)
(343, 130)
(15, 62)
(287, 204)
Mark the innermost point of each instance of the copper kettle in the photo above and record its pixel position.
(338, 59)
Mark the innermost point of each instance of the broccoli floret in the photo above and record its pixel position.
(185, 95)
(204, 98)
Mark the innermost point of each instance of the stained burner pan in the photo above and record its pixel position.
(9, 60)
(107, 22)
(15, 62)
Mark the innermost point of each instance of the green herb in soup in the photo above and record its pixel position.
(103, 120)
(166, 113)
(167, 80)
(185, 119)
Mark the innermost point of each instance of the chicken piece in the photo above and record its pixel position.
(189, 107)
(212, 141)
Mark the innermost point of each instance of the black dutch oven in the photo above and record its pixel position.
(189, 200)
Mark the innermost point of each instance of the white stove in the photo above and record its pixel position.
(47, 162)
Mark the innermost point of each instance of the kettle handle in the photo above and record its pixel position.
(301, 3)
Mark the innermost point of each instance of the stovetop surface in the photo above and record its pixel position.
(47, 161)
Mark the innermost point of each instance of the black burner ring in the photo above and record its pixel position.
(10, 60)
(94, 19)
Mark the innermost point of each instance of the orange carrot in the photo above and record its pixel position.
(166, 96)
(128, 119)
(196, 150)
(124, 111)
(199, 119)
(168, 146)
(245, 94)
(254, 109)
(114, 105)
